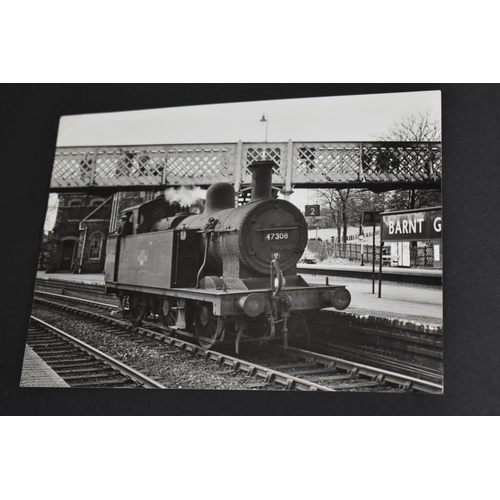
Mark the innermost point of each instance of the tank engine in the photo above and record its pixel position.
(227, 271)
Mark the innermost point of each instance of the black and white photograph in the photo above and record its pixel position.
(280, 245)
(209, 212)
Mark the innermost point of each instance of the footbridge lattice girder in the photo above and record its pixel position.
(373, 165)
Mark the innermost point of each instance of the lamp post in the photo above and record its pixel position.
(264, 120)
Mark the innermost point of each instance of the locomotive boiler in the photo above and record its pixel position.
(229, 271)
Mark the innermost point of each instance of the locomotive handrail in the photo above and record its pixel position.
(276, 267)
(207, 230)
(281, 228)
(198, 276)
(220, 231)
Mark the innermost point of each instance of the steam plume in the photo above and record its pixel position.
(184, 196)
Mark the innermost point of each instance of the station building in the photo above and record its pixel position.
(78, 239)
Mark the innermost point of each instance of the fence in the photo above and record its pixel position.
(422, 256)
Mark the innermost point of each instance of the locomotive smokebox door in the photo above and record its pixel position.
(187, 261)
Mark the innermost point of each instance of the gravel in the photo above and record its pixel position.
(173, 368)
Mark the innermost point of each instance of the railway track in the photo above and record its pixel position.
(79, 364)
(379, 360)
(293, 369)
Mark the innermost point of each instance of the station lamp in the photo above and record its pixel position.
(264, 120)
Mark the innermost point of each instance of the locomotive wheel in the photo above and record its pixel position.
(298, 331)
(209, 328)
(138, 309)
(168, 312)
(124, 305)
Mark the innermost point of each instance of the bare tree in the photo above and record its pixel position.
(343, 200)
(344, 206)
(362, 201)
(329, 201)
(335, 201)
(407, 199)
(415, 127)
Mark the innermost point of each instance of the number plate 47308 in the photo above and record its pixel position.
(276, 236)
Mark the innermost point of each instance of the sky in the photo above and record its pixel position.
(338, 118)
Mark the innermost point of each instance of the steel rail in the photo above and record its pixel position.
(408, 381)
(430, 373)
(252, 369)
(270, 375)
(124, 369)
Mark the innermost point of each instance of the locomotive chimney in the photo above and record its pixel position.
(262, 175)
(220, 196)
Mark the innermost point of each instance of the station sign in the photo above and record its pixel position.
(412, 225)
(312, 210)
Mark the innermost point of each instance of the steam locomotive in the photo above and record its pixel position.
(227, 272)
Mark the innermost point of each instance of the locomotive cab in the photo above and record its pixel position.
(144, 217)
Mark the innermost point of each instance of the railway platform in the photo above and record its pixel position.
(37, 373)
(84, 279)
(400, 275)
(419, 304)
(367, 269)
